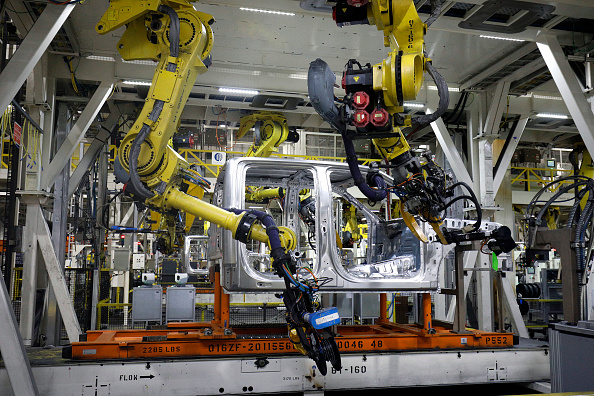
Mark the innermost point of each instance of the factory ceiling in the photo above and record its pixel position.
(271, 53)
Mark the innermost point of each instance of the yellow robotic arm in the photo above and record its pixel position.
(404, 33)
(262, 194)
(375, 95)
(351, 227)
(271, 129)
(173, 33)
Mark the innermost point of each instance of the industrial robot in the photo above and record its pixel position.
(180, 39)
(270, 131)
(373, 109)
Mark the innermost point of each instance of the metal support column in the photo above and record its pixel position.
(59, 225)
(13, 352)
(470, 259)
(498, 105)
(485, 162)
(475, 126)
(48, 124)
(569, 87)
(459, 292)
(460, 314)
(102, 199)
(30, 51)
(484, 280)
(485, 143)
(29, 275)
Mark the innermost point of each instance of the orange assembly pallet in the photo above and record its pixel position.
(195, 339)
(215, 338)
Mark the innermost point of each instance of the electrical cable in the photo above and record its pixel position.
(456, 108)
(223, 111)
(351, 158)
(435, 12)
(444, 97)
(471, 197)
(174, 29)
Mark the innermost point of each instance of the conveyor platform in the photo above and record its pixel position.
(264, 373)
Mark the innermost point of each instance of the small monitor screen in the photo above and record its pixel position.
(530, 270)
(551, 163)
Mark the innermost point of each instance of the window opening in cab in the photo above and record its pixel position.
(290, 198)
(370, 247)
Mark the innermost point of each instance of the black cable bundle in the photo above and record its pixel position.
(582, 185)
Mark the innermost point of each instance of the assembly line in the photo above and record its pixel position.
(199, 247)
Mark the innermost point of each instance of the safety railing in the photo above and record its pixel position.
(118, 316)
(538, 177)
(27, 135)
(17, 283)
(114, 316)
(5, 134)
(193, 157)
(15, 291)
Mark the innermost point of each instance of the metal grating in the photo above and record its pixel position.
(507, 70)
(528, 84)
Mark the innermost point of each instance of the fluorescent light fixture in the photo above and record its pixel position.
(101, 58)
(136, 82)
(501, 38)
(412, 104)
(222, 125)
(549, 97)
(267, 11)
(553, 115)
(235, 71)
(451, 89)
(239, 91)
(298, 76)
(140, 62)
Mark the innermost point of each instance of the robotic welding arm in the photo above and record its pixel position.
(270, 130)
(372, 107)
(173, 33)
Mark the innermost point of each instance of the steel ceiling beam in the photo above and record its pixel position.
(568, 8)
(569, 87)
(554, 21)
(527, 70)
(77, 133)
(30, 51)
(18, 12)
(507, 60)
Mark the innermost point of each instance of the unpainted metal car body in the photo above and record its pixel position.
(394, 260)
